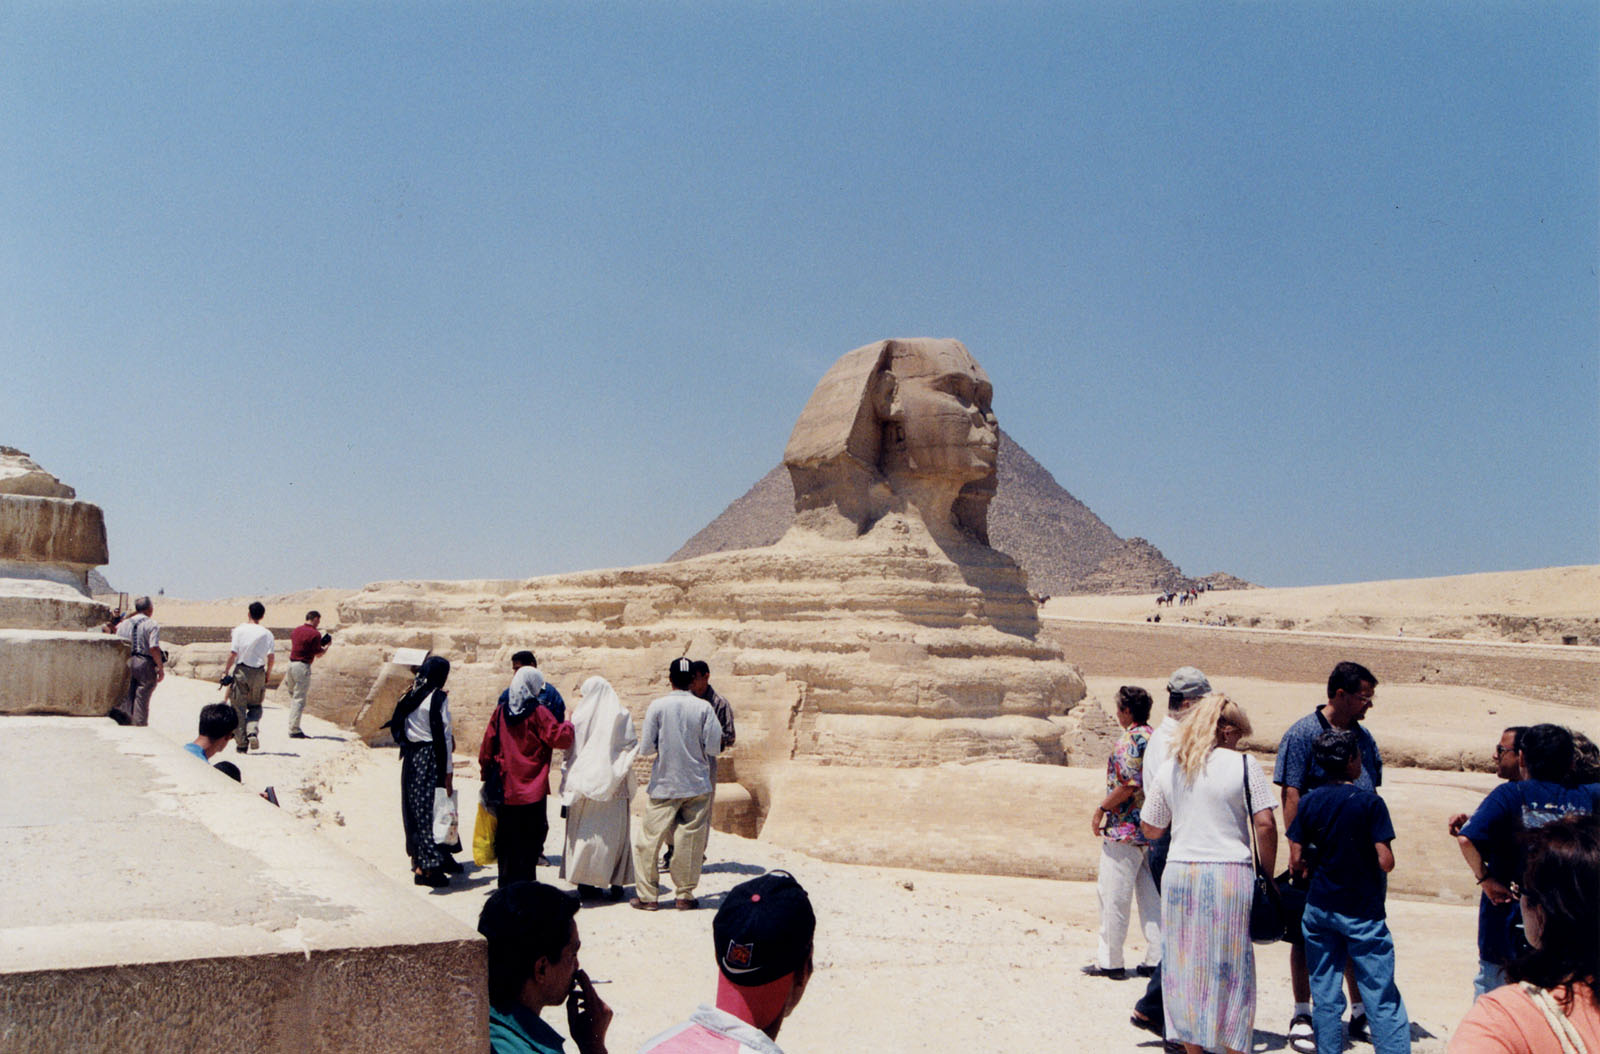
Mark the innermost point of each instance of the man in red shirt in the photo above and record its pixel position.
(305, 644)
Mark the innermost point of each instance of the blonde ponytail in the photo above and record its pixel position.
(1202, 729)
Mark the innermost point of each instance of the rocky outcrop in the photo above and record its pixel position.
(49, 542)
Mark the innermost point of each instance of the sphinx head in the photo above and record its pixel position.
(897, 425)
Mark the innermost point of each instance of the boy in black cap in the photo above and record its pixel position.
(762, 936)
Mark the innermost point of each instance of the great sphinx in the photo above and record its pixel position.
(880, 630)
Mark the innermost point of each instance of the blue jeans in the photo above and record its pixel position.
(1331, 938)
(1490, 976)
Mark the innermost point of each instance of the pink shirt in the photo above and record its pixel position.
(1505, 1021)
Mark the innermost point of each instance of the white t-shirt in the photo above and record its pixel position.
(252, 643)
(419, 728)
(1208, 818)
(1159, 748)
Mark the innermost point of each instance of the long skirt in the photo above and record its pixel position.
(598, 850)
(418, 777)
(1208, 967)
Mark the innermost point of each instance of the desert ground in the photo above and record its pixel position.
(960, 956)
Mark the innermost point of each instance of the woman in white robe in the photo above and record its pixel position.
(596, 788)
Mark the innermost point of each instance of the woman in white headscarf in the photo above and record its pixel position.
(596, 787)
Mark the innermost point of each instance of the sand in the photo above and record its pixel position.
(1541, 605)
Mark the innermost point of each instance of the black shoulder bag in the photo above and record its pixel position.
(1266, 909)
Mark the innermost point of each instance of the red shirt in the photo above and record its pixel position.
(305, 643)
(523, 750)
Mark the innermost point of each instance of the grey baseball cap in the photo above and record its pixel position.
(1188, 682)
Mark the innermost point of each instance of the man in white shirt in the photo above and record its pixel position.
(683, 732)
(1185, 687)
(249, 665)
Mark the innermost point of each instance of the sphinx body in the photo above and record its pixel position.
(881, 629)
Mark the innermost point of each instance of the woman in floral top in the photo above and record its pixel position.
(1124, 854)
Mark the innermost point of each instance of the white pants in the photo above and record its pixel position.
(1124, 877)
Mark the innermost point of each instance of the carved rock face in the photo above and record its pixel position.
(938, 421)
(897, 425)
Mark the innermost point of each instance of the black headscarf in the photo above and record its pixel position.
(435, 670)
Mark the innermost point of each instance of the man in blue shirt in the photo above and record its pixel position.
(1489, 841)
(217, 724)
(1351, 689)
(533, 963)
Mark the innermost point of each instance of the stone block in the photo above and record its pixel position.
(172, 909)
(61, 672)
(52, 531)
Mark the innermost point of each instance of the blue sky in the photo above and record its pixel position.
(324, 293)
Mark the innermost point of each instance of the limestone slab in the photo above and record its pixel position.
(181, 912)
(61, 672)
(52, 531)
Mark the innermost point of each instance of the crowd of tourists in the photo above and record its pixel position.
(1189, 837)
(1188, 823)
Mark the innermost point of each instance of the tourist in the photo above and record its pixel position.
(421, 725)
(1185, 688)
(1340, 839)
(517, 744)
(701, 688)
(533, 944)
(1124, 854)
(1507, 765)
(1490, 840)
(1552, 1007)
(217, 722)
(245, 675)
(1585, 759)
(683, 733)
(596, 787)
(1208, 969)
(146, 663)
(762, 937)
(305, 644)
(1351, 690)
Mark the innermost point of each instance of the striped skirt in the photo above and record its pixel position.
(1208, 968)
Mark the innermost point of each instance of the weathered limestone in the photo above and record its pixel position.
(881, 630)
(179, 911)
(49, 543)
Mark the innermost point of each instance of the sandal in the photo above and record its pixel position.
(1149, 1024)
(1302, 1037)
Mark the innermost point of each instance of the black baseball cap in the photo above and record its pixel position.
(763, 930)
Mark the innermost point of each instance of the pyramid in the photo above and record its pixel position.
(1061, 544)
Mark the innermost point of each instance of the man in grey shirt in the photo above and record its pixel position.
(145, 666)
(683, 732)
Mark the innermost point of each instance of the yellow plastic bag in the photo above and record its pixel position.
(483, 837)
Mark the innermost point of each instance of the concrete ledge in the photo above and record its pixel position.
(61, 672)
(171, 909)
(52, 531)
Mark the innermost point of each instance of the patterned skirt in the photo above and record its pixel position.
(1208, 967)
(418, 775)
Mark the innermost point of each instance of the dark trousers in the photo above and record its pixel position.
(1150, 1004)
(519, 836)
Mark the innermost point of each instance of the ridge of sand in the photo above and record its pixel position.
(1543, 605)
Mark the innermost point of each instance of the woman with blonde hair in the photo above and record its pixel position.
(1208, 979)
